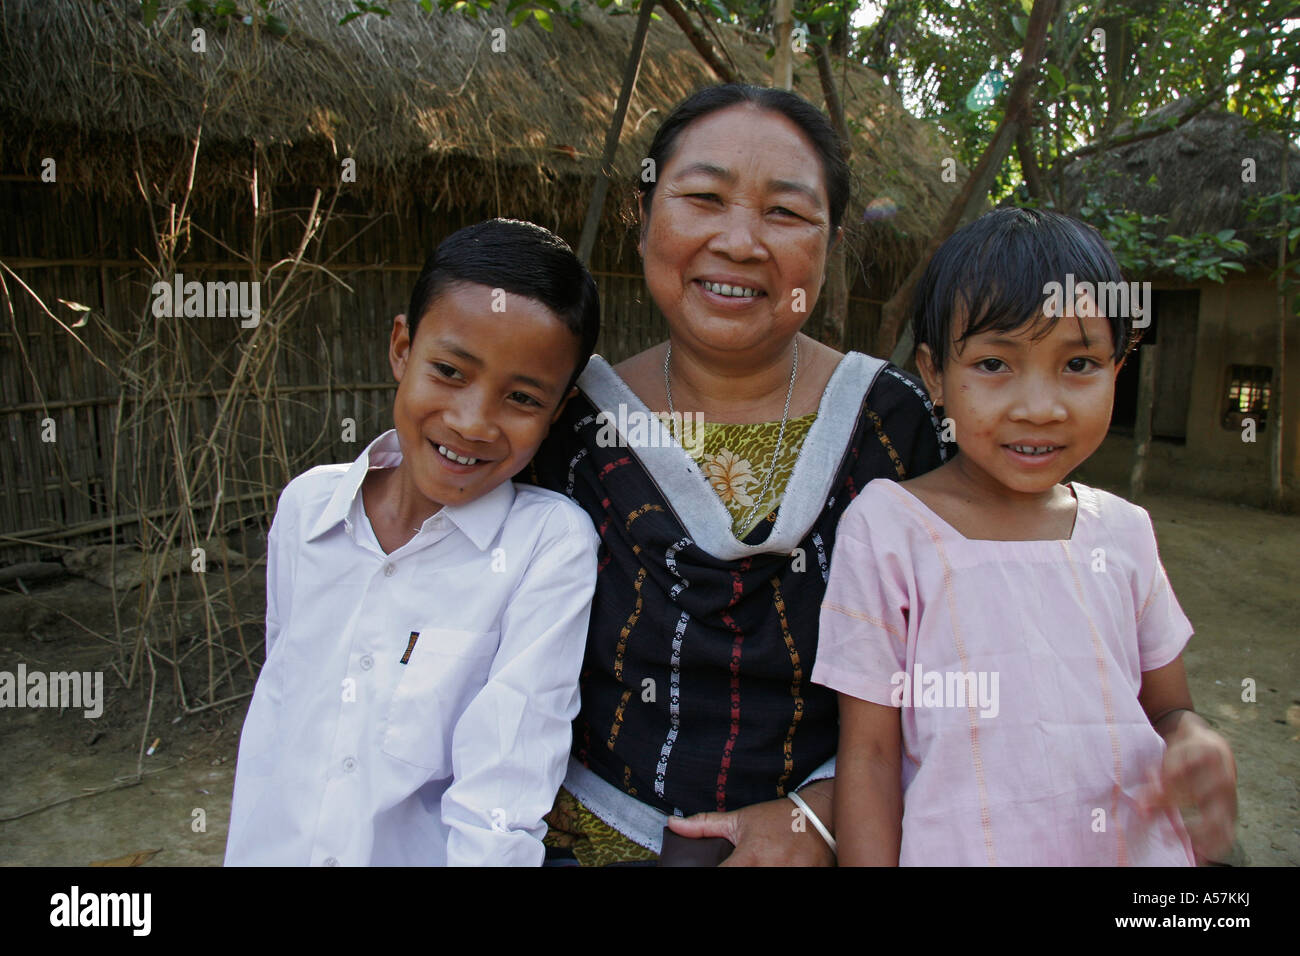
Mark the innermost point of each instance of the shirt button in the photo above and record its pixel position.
(349, 764)
(367, 662)
(330, 861)
(390, 570)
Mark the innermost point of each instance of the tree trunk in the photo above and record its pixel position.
(1146, 399)
(783, 60)
(975, 190)
(1029, 164)
(835, 311)
(591, 225)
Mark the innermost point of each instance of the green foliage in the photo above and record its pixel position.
(539, 10)
(362, 8)
(937, 53)
(1202, 256)
(1135, 239)
(224, 13)
(1279, 218)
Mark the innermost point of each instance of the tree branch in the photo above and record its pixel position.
(702, 46)
(631, 70)
(975, 190)
(1107, 145)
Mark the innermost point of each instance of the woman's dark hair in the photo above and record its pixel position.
(811, 121)
(998, 271)
(521, 258)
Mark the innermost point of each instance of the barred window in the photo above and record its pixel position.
(1249, 388)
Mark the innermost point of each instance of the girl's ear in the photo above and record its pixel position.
(930, 374)
(399, 347)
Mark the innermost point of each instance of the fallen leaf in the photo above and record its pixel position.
(131, 859)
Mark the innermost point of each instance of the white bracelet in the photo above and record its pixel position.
(816, 821)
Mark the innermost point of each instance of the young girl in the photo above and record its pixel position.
(1007, 648)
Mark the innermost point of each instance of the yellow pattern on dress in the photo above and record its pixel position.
(736, 458)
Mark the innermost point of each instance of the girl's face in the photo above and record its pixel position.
(737, 233)
(1026, 412)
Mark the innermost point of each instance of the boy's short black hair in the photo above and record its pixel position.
(522, 258)
(996, 270)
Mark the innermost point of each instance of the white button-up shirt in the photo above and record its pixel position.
(415, 707)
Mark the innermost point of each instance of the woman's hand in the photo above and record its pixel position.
(772, 833)
(1198, 771)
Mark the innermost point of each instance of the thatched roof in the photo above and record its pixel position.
(1192, 175)
(429, 112)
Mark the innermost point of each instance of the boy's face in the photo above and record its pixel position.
(1027, 412)
(483, 386)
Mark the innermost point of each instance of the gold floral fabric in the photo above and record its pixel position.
(736, 458)
(592, 841)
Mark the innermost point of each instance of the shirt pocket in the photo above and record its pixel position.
(446, 670)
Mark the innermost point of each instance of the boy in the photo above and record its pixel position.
(426, 618)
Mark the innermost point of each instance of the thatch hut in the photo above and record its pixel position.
(1216, 342)
(322, 163)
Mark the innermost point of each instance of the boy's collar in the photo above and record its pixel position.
(479, 520)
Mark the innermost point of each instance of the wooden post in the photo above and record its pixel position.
(1146, 398)
(1277, 440)
(591, 224)
(783, 60)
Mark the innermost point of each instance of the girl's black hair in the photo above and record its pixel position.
(810, 120)
(522, 258)
(997, 271)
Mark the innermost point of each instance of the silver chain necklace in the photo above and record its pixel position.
(780, 438)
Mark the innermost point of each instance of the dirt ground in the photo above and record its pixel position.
(1235, 571)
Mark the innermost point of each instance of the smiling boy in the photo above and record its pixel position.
(426, 618)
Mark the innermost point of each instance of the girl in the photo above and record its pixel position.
(1006, 648)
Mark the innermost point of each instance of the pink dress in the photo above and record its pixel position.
(1017, 665)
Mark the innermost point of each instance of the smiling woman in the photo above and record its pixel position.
(695, 697)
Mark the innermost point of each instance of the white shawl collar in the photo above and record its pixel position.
(684, 486)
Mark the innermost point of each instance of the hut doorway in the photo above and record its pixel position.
(1173, 329)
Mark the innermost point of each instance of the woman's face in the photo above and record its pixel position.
(739, 224)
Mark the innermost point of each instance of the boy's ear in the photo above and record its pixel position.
(925, 364)
(399, 347)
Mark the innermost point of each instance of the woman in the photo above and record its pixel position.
(715, 546)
